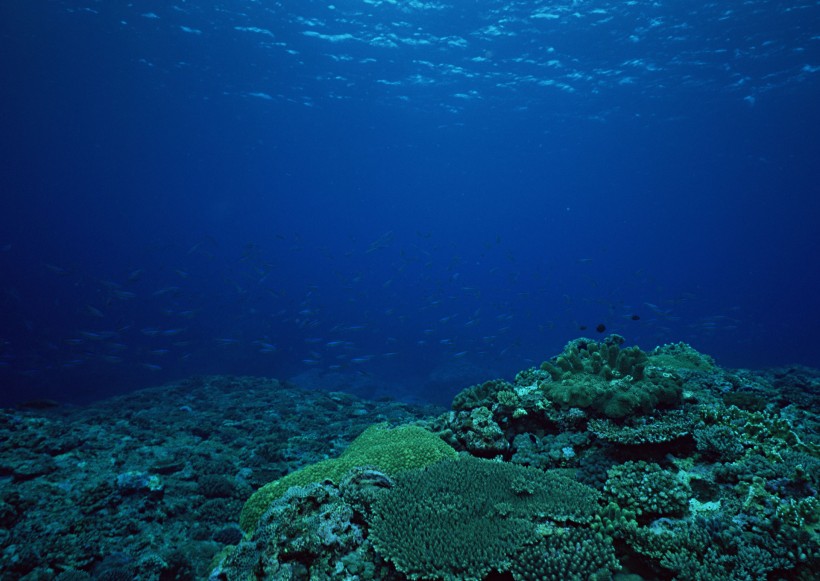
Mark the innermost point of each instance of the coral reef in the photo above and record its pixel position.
(610, 461)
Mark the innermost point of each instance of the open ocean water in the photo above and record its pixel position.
(401, 189)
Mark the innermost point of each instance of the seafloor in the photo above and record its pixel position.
(603, 463)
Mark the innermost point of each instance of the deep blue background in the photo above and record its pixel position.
(445, 195)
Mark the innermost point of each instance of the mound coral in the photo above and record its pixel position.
(611, 380)
(389, 450)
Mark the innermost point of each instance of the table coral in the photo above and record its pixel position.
(462, 519)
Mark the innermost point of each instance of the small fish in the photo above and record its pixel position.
(124, 295)
(171, 332)
(58, 270)
(135, 275)
(97, 335)
(165, 291)
(659, 311)
(94, 312)
(152, 367)
(382, 242)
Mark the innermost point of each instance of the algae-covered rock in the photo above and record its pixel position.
(304, 534)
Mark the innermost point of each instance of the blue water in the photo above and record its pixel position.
(408, 194)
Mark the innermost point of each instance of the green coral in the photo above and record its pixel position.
(614, 381)
(732, 495)
(568, 554)
(680, 356)
(531, 376)
(718, 548)
(462, 519)
(647, 489)
(389, 450)
(606, 360)
(745, 562)
(769, 434)
(549, 450)
(659, 428)
(478, 433)
(484, 394)
(718, 442)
